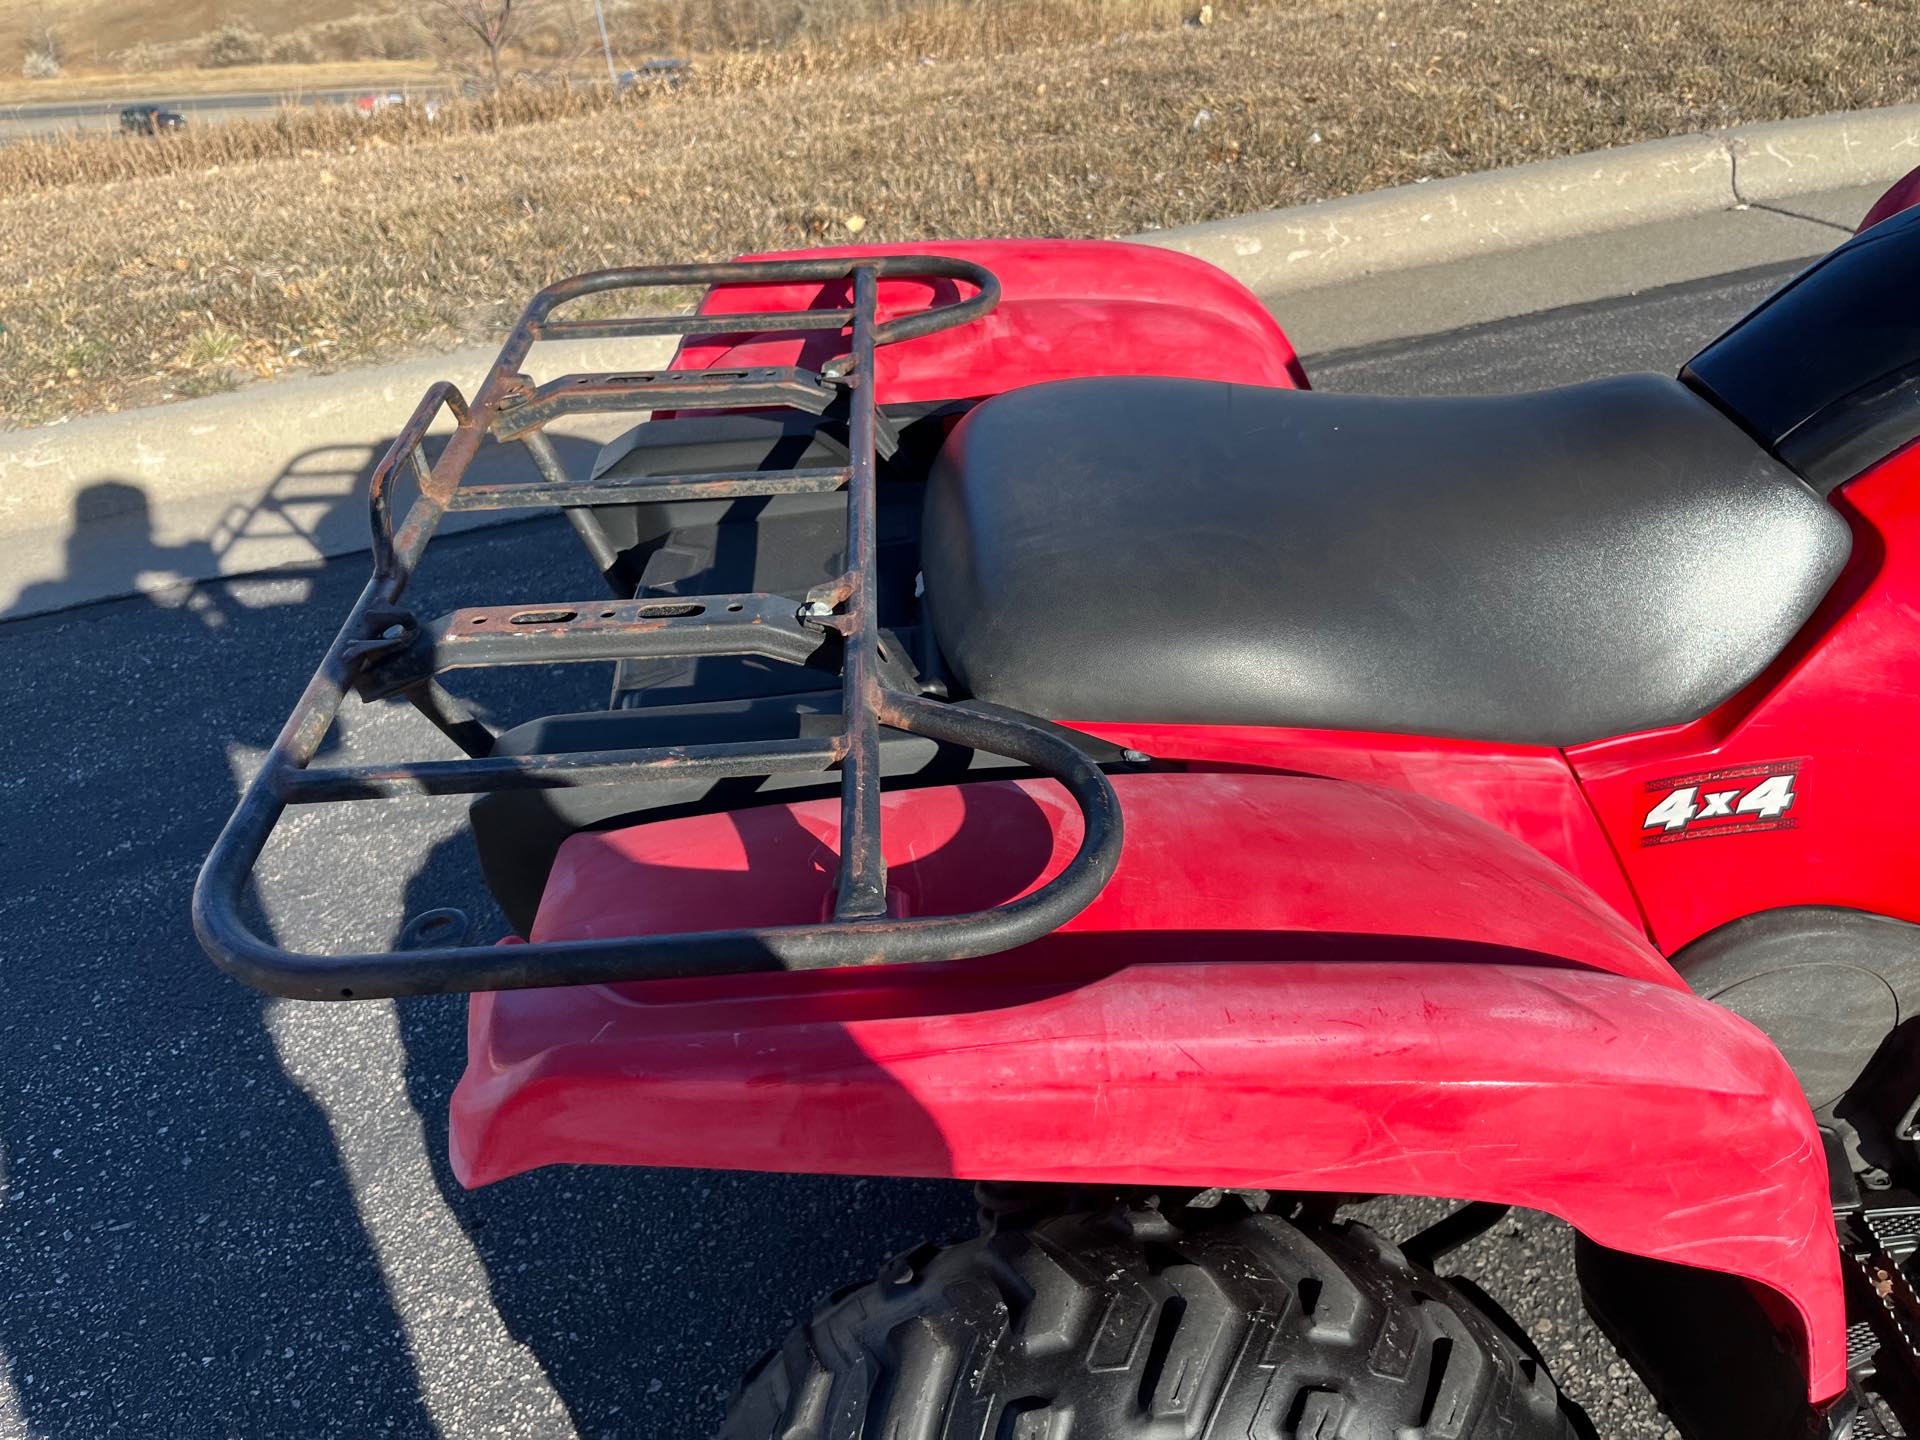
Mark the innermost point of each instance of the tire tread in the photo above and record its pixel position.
(1124, 1325)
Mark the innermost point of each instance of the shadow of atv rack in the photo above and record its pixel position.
(382, 651)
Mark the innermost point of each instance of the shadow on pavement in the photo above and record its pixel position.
(111, 535)
(122, 540)
(644, 1293)
(221, 1215)
(178, 1254)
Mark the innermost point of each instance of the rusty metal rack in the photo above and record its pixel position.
(383, 651)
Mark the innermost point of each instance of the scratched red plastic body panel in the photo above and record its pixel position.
(1289, 982)
(1069, 309)
(1215, 865)
(1840, 709)
(1529, 791)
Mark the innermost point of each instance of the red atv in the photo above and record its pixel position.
(1050, 747)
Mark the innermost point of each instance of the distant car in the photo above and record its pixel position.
(151, 120)
(667, 74)
(367, 106)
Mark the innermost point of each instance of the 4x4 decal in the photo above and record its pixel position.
(1735, 801)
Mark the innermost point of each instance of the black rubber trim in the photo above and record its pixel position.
(1826, 373)
(1704, 1346)
(1830, 987)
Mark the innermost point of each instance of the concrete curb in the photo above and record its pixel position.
(1429, 224)
(264, 478)
(1335, 241)
(271, 476)
(223, 444)
(1786, 158)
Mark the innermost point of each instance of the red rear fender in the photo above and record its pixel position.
(1290, 982)
(1221, 865)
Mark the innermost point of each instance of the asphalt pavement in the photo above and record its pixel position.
(228, 1216)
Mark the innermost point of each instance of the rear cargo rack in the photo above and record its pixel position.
(382, 651)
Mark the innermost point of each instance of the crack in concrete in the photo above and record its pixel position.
(1734, 148)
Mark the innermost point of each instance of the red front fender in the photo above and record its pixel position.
(1290, 983)
(1903, 194)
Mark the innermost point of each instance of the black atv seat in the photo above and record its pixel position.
(1540, 569)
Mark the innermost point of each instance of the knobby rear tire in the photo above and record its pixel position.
(1128, 1325)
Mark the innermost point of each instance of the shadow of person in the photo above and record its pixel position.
(111, 549)
(180, 1249)
(313, 510)
(186, 1238)
(647, 1293)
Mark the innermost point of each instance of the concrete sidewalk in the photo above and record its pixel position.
(270, 477)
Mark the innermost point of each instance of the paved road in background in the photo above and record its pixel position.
(222, 1215)
(19, 122)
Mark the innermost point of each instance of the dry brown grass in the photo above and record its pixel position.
(119, 292)
(834, 30)
(155, 47)
(295, 132)
(92, 32)
(860, 35)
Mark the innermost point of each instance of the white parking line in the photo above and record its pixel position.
(350, 1061)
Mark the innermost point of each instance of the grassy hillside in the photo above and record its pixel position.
(93, 29)
(233, 264)
(106, 38)
(94, 32)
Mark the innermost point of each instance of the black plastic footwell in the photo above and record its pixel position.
(1702, 1343)
(1880, 1248)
